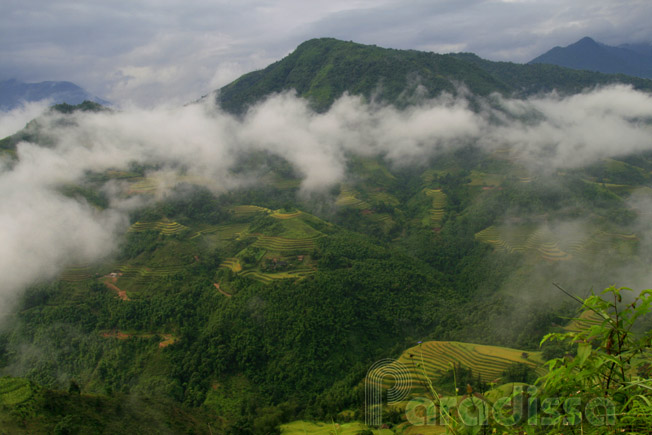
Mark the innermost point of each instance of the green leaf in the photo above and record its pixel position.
(583, 352)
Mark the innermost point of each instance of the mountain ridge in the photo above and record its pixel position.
(322, 70)
(14, 92)
(588, 54)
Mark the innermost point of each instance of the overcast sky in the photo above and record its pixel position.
(151, 52)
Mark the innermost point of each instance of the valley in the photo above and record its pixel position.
(255, 302)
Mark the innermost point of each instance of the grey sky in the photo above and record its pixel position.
(148, 52)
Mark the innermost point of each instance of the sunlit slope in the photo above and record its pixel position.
(279, 243)
(301, 427)
(14, 390)
(433, 358)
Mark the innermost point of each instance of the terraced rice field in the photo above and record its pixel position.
(544, 242)
(485, 179)
(165, 227)
(279, 215)
(489, 362)
(76, 274)
(436, 214)
(223, 232)
(584, 321)
(286, 184)
(248, 210)
(281, 244)
(319, 428)
(430, 175)
(524, 239)
(548, 245)
(600, 242)
(145, 185)
(348, 198)
(141, 271)
(269, 277)
(384, 219)
(14, 390)
(232, 263)
(384, 198)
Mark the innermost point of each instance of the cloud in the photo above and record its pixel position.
(148, 53)
(578, 130)
(16, 119)
(44, 231)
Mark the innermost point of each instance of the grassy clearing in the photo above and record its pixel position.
(14, 390)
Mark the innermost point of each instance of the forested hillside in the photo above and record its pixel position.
(321, 70)
(235, 308)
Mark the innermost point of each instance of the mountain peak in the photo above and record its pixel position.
(588, 54)
(586, 41)
(323, 69)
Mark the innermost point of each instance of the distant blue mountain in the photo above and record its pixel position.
(13, 93)
(587, 54)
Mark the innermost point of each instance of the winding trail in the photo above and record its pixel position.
(217, 286)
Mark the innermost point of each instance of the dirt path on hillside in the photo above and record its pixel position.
(217, 286)
(169, 339)
(109, 282)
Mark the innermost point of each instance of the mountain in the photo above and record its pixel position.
(587, 54)
(321, 70)
(14, 92)
(233, 311)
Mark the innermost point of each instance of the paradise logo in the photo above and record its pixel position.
(523, 406)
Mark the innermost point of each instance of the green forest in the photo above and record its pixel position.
(251, 310)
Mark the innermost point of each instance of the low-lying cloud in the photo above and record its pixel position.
(43, 231)
(14, 120)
